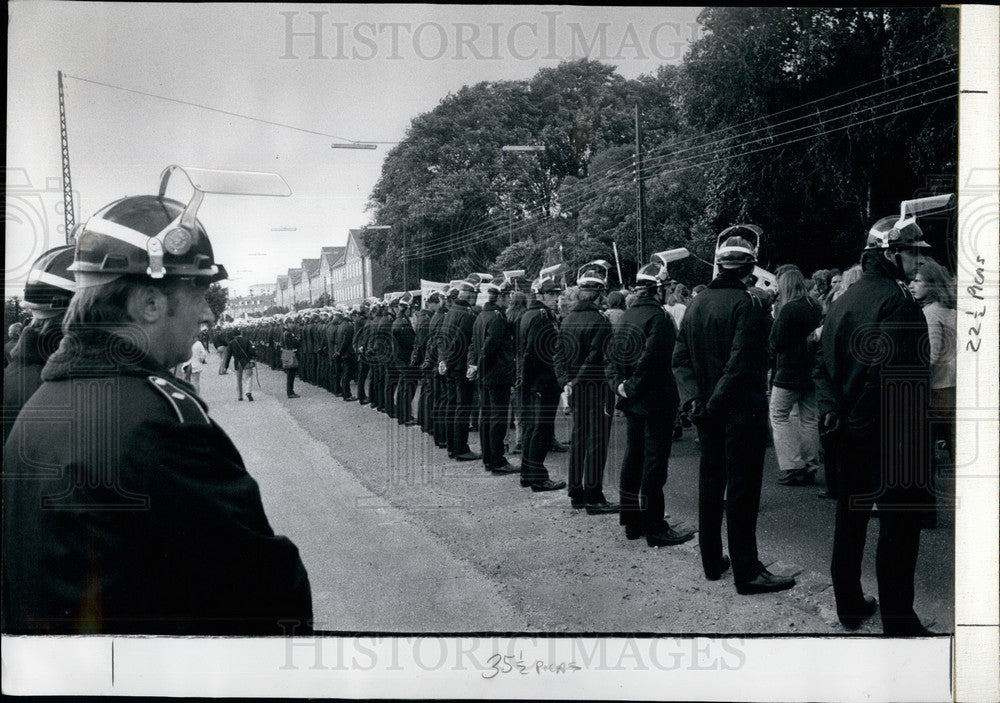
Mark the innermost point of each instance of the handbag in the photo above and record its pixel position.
(289, 359)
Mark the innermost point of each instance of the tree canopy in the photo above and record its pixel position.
(810, 122)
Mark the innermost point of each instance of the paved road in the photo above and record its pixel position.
(398, 538)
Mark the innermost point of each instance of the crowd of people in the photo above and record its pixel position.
(853, 372)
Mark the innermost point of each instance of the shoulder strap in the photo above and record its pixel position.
(187, 409)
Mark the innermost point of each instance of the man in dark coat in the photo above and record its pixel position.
(439, 389)
(539, 347)
(47, 294)
(584, 333)
(403, 338)
(873, 389)
(647, 396)
(361, 337)
(331, 380)
(453, 349)
(145, 520)
(491, 363)
(720, 363)
(422, 330)
(344, 342)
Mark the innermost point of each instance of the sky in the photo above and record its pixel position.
(329, 73)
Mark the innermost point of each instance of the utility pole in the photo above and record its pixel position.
(640, 197)
(70, 218)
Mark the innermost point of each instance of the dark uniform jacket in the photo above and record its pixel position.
(540, 350)
(455, 337)
(434, 338)
(584, 332)
(872, 333)
(23, 376)
(492, 348)
(721, 353)
(403, 338)
(639, 356)
(128, 510)
(794, 357)
(380, 340)
(343, 343)
(421, 329)
(242, 351)
(361, 338)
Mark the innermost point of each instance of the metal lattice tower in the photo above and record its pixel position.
(67, 181)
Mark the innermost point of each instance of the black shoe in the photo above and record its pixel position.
(602, 508)
(468, 456)
(362, 402)
(505, 468)
(765, 582)
(441, 445)
(853, 620)
(558, 447)
(678, 432)
(723, 568)
(547, 485)
(349, 398)
(668, 537)
(801, 477)
(634, 531)
(240, 398)
(250, 397)
(827, 495)
(294, 395)
(409, 423)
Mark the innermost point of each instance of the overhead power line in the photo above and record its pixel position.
(224, 112)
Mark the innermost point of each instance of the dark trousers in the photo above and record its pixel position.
(363, 369)
(493, 422)
(644, 469)
(290, 380)
(440, 410)
(391, 386)
(425, 405)
(539, 429)
(404, 393)
(457, 411)
(732, 466)
(900, 512)
(331, 380)
(342, 385)
(590, 403)
(377, 386)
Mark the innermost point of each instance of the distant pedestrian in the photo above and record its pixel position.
(197, 363)
(290, 343)
(243, 353)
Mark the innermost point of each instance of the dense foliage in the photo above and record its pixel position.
(809, 122)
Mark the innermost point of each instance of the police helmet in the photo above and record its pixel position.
(893, 232)
(50, 283)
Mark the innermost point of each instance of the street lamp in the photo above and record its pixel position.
(354, 145)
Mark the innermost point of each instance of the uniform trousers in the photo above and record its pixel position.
(457, 411)
(391, 384)
(440, 409)
(363, 370)
(425, 406)
(590, 404)
(900, 511)
(342, 384)
(404, 393)
(377, 386)
(539, 428)
(730, 474)
(332, 379)
(644, 469)
(493, 422)
(290, 380)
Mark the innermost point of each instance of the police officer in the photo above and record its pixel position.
(873, 388)
(331, 377)
(647, 397)
(379, 345)
(584, 334)
(47, 294)
(491, 365)
(361, 336)
(403, 338)
(107, 540)
(453, 348)
(439, 390)
(422, 328)
(721, 367)
(348, 359)
(538, 345)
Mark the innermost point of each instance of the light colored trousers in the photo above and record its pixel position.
(796, 436)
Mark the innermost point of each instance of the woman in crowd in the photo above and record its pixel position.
(796, 438)
(196, 364)
(677, 303)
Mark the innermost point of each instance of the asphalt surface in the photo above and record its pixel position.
(396, 537)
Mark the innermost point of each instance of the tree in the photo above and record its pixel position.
(217, 297)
